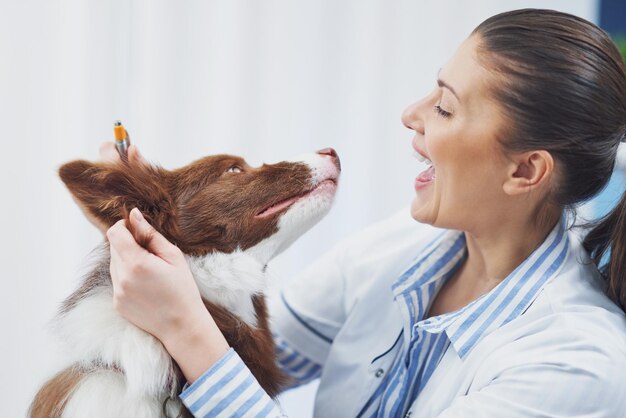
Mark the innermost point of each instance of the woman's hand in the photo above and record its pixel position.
(155, 290)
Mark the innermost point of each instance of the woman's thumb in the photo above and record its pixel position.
(149, 238)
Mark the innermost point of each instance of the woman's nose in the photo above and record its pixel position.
(412, 117)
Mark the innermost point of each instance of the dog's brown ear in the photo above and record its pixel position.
(108, 191)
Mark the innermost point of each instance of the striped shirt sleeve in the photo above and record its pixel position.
(299, 368)
(228, 389)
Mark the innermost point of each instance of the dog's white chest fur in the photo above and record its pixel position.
(97, 336)
(230, 280)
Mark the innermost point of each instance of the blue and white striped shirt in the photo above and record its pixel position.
(426, 340)
(377, 355)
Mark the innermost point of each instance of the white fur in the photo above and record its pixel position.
(102, 394)
(321, 166)
(230, 280)
(94, 330)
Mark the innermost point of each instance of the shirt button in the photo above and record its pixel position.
(379, 372)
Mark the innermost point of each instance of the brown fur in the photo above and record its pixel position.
(176, 202)
(52, 397)
(254, 345)
(201, 208)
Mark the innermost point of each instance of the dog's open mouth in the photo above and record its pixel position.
(284, 204)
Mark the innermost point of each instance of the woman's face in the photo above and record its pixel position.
(456, 127)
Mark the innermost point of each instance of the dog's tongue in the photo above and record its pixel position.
(277, 207)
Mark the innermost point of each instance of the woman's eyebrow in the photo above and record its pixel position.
(442, 83)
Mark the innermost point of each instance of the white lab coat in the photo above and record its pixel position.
(564, 356)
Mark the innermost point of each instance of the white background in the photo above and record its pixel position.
(263, 79)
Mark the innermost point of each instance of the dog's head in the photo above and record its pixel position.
(216, 204)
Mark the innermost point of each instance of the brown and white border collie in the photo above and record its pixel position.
(230, 220)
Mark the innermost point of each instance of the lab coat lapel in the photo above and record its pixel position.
(362, 349)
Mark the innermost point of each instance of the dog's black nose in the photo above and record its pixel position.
(332, 154)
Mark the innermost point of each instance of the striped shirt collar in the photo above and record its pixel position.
(509, 299)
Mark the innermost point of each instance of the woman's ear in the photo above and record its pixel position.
(528, 171)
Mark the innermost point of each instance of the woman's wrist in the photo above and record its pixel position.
(196, 346)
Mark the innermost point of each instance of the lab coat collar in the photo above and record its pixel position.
(465, 327)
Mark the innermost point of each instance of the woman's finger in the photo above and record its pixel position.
(123, 243)
(109, 153)
(151, 239)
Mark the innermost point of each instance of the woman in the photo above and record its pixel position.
(487, 306)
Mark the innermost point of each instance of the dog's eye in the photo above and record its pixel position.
(234, 169)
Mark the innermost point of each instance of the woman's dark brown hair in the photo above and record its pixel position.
(561, 83)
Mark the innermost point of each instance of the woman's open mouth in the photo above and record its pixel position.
(286, 203)
(427, 176)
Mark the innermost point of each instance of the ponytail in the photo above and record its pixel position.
(608, 237)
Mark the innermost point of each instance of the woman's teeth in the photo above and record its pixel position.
(421, 158)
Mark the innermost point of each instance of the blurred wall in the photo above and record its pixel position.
(266, 80)
(612, 16)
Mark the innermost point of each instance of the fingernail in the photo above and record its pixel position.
(137, 214)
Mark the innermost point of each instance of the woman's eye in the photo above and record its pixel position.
(442, 112)
(234, 169)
